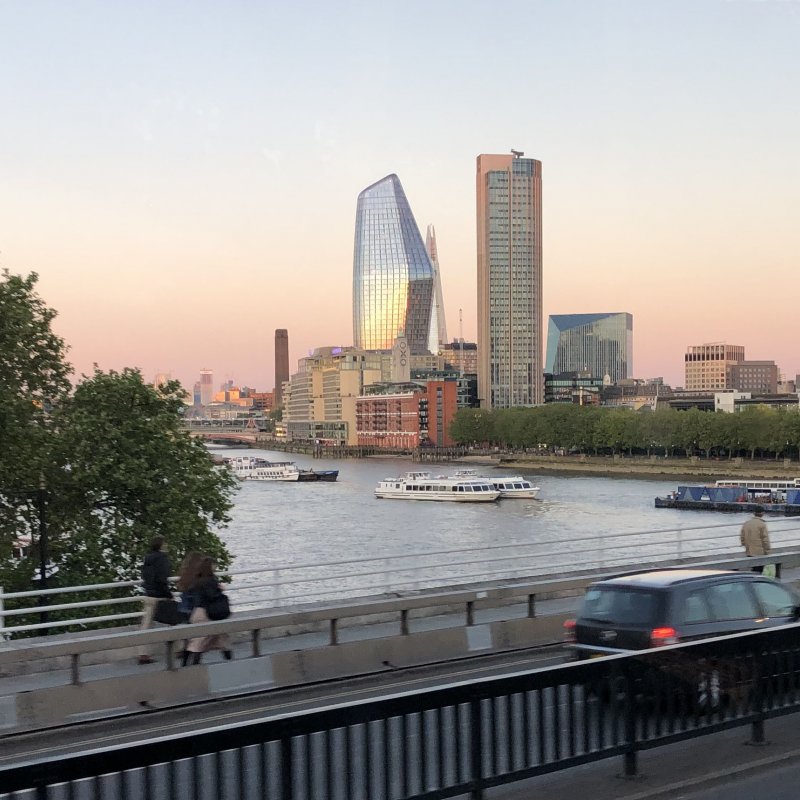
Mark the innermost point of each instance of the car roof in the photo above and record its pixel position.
(661, 578)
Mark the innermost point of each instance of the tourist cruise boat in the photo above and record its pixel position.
(423, 486)
(275, 471)
(507, 485)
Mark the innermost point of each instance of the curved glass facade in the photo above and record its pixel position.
(392, 272)
(600, 344)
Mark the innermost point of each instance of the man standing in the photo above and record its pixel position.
(156, 570)
(755, 538)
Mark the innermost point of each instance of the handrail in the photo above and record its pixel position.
(404, 571)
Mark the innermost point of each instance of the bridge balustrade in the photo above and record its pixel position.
(461, 738)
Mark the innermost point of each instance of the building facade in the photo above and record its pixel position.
(438, 322)
(707, 366)
(578, 388)
(320, 404)
(461, 356)
(206, 387)
(509, 224)
(393, 278)
(754, 376)
(598, 344)
(281, 364)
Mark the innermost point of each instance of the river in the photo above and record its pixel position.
(280, 524)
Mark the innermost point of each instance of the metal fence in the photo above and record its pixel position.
(461, 738)
(293, 584)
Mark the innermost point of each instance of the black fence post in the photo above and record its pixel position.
(476, 749)
(631, 751)
(41, 505)
(757, 737)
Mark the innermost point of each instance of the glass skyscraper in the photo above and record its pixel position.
(600, 344)
(393, 278)
(509, 205)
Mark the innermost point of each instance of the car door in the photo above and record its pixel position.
(777, 602)
(734, 607)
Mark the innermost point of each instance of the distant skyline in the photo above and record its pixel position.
(184, 176)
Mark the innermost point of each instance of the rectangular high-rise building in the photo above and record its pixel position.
(281, 365)
(206, 387)
(509, 217)
(707, 366)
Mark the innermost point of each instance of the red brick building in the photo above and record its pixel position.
(406, 419)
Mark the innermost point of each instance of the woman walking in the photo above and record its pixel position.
(205, 590)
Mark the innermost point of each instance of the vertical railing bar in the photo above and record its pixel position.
(309, 760)
(423, 752)
(440, 742)
(527, 699)
(196, 777)
(263, 768)
(349, 783)
(571, 720)
(540, 693)
(387, 762)
(556, 722)
(458, 739)
(148, 782)
(287, 772)
(241, 770)
(404, 754)
(329, 762)
(219, 774)
(172, 783)
(476, 749)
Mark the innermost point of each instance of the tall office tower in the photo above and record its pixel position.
(509, 206)
(281, 364)
(392, 273)
(206, 387)
(707, 366)
(161, 378)
(600, 344)
(438, 324)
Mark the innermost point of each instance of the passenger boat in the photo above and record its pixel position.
(252, 468)
(508, 486)
(275, 471)
(423, 486)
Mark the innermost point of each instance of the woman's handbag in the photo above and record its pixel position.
(218, 607)
(167, 612)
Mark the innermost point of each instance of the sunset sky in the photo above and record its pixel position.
(183, 175)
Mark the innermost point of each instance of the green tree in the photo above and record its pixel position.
(124, 471)
(34, 376)
(472, 426)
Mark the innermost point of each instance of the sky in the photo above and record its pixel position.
(183, 176)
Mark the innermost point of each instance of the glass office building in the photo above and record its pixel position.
(509, 206)
(597, 344)
(393, 278)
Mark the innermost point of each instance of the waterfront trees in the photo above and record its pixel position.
(755, 430)
(108, 462)
(124, 471)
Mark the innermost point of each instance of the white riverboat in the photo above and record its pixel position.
(275, 471)
(509, 486)
(250, 468)
(424, 486)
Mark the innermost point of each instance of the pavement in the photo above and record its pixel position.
(708, 765)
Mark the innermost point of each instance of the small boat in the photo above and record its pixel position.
(328, 475)
(508, 486)
(423, 486)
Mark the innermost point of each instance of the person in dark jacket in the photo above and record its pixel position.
(156, 570)
(205, 590)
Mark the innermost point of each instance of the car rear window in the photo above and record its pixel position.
(620, 604)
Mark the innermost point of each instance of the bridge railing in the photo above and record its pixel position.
(285, 584)
(457, 739)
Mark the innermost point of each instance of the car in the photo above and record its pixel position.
(653, 608)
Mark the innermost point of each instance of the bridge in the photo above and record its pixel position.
(514, 720)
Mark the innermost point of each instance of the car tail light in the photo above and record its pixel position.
(569, 630)
(662, 636)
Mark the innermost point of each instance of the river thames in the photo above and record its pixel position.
(282, 524)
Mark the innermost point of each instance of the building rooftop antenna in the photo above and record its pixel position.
(517, 153)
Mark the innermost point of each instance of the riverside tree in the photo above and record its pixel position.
(110, 458)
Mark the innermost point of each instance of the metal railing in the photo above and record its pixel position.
(293, 584)
(457, 739)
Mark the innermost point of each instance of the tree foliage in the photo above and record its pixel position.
(110, 457)
(755, 430)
